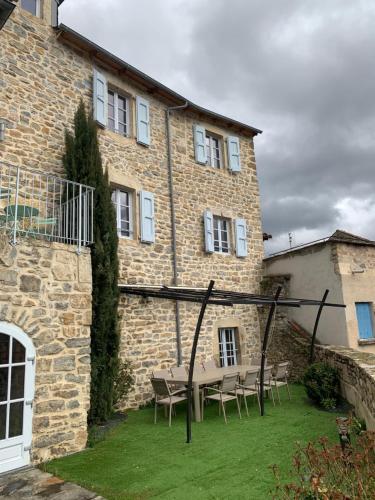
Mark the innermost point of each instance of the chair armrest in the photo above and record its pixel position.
(213, 389)
(179, 391)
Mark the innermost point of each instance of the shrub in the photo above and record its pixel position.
(123, 383)
(321, 382)
(326, 472)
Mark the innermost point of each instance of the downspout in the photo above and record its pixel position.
(173, 224)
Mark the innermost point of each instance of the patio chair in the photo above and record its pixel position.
(179, 372)
(165, 397)
(163, 373)
(256, 361)
(267, 386)
(280, 378)
(209, 365)
(249, 387)
(226, 392)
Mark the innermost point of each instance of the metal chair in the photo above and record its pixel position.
(249, 387)
(267, 387)
(226, 392)
(280, 378)
(165, 397)
(179, 372)
(163, 373)
(209, 365)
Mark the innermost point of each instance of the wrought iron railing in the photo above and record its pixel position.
(40, 205)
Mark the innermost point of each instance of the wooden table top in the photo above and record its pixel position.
(211, 376)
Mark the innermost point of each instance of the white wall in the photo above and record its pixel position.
(311, 272)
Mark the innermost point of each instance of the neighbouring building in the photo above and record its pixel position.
(345, 265)
(186, 196)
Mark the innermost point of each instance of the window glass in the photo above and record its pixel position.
(227, 346)
(15, 419)
(18, 352)
(213, 151)
(117, 113)
(122, 201)
(31, 6)
(17, 382)
(221, 235)
(4, 349)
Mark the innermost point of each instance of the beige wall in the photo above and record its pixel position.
(41, 89)
(311, 272)
(45, 289)
(357, 270)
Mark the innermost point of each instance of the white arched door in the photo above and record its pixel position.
(17, 375)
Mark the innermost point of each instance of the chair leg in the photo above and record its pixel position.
(245, 399)
(225, 416)
(258, 402)
(287, 387)
(273, 399)
(278, 392)
(204, 401)
(170, 414)
(155, 412)
(239, 408)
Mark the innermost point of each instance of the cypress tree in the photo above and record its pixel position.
(83, 164)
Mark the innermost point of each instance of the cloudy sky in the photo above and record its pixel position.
(302, 71)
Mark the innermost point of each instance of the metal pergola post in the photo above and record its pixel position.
(192, 360)
(264, 347)
(313, 338)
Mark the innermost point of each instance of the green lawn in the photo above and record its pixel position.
(140, 460)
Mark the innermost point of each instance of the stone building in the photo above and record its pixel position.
(186, 196)
(345, 265)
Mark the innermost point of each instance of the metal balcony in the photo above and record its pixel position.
(38, 205)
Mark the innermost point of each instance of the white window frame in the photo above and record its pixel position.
(228, 348)
(116, 96)
(38, 8)
(219, 242)
(117, 205)
(211, 149)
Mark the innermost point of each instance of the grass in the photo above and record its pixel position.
(140, 460)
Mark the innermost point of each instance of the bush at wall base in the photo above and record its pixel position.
(321, 382)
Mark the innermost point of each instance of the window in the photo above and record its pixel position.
(221, 235)
(123, 201)
(32, 6)
(364, 319)
(213, 151)
(227, 346)
(118, 113)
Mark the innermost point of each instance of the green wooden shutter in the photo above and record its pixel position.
(143, 121)
(200, 144)
(100, 96)
(234, 154)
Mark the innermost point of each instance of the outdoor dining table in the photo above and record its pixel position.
(208, 377)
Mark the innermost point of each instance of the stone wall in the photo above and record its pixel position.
(357, 378)
(43, 78)
(288, 341)
(45, 289)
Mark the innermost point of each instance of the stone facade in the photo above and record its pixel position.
(45, 73)
(45, 289)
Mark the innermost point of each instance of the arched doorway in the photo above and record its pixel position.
(17, 375)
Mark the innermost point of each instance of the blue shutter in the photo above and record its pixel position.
(209, 231)
(234, 154)
(241, 238)
(364, 318)
(200, 144)
(147, 213)
(143, 121)
(100, 97)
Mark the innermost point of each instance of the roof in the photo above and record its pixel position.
(153, 86)
(217, 297)
(339, 236)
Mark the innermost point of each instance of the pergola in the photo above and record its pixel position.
(211, 296)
